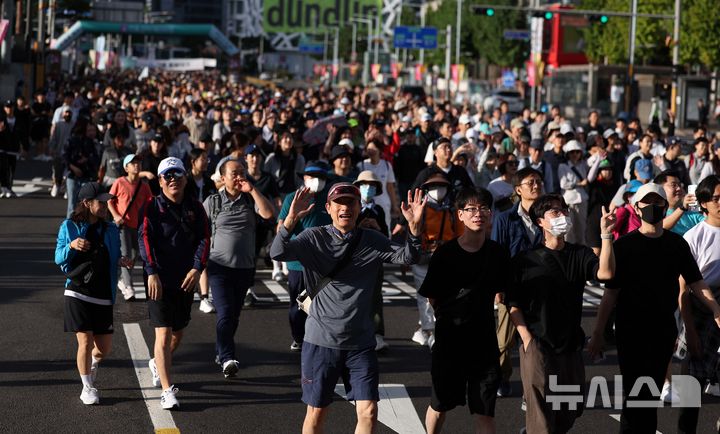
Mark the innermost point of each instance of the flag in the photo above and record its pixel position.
(375, 70)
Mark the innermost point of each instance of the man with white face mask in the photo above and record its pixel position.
(441, 225)
(545, 300)
(315, 179)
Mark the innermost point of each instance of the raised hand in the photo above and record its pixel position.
(245, 186)
(301, 204)
(607, 221)
(413, 210)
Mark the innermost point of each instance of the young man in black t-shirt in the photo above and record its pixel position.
(545, 301)
(645, 291)
(463, 277)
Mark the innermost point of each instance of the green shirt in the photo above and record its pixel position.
(687, 221)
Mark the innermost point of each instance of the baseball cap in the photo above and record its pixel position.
(552, 125)
(337, 152)
(93, 190)
(343, 189)
(608, 133)
(347, 142)
(643, 168)
(406, 118)
(439, 142)
(316, 168)
(516, 123)
(633, 186)
(129, 158)
(464, 119)
(537, 144)
(352, 123)
(158, 137)
(484, 128)
(345, 101)
(170, 163)
(606, 164)
(147, 117)
(566, 128)
(572, 145)
(647, 189)
(251, 148)
(425, 117)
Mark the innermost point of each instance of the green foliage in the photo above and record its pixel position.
(700, 25)
(482, 36)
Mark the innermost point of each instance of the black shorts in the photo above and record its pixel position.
(455, 376)
(173, 310)
(81, 316)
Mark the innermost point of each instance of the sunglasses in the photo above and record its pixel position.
(172, 175)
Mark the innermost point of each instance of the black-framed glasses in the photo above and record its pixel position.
(472, 210)
(532, 183)
(172, 175)
(675, 185)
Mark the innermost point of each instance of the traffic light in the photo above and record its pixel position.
(488, 12)
(602, 19)
(546, 15)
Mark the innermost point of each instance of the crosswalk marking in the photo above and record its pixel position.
(394, 290)
(395, 408)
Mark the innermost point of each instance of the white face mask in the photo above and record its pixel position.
(315, 184)
(437, 193)
(560, 226)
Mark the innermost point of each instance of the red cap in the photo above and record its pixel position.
(343, 189)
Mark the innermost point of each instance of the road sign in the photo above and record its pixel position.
(424, 38)
(521, 35)
(311, 47)
(508, 78)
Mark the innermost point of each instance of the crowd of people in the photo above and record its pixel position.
(513, 211)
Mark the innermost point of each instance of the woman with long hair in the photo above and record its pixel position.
(285, 164)
(88, 252)
(120, 125)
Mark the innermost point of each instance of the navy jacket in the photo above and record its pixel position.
(509, 230)
(171, 247)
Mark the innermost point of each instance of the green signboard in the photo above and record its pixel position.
(307, 16)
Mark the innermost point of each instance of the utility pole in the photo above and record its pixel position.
(423, 11)
(457, 31)
(378, 30)
(448, 47)
(675, 60)
(336, 62)
(353, 55)
(631, 62)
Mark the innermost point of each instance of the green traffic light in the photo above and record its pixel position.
(490, 12)
(548, 15)
(603, 19)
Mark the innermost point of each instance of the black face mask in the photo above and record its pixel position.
(652, 213)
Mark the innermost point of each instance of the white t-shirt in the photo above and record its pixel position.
(384, 172)
(500, 189)
(704, 240)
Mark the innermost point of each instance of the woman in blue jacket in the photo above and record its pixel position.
(88, 252)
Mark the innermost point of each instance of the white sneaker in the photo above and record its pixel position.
(10, 194)
(713, 389)
(168, 401)
(277, 275)
(127, 291)
(431, 340)
(668, 395)
(154, 372)
(380, 343)
(230, 368)
(3, 192)
(93, 371)
(421, 337)
(89, 395)
(206, 306)
(54, 190)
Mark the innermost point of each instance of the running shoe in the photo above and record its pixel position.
(89, 396)
(230, 368)
(296, 346)
(277, 275)
(421, 337)
(713, 389)
(54, 190)
(206, 306)
(154, 372)
(168, 400)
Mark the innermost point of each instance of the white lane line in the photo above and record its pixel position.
(617, 418)
(408, 289)
(278, 290)
(161, 419)
(597, 292)
(395, 408)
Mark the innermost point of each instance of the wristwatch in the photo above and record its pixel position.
(683, 208)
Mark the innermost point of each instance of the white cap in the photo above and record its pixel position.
(607, 133)
(170, 163)
(406, 118)
(566, 128)
(471, 134)
(347, 142)
(464, 119)
(188, 99)
(345, 101)
(278, 95)
(572, 145)
(338, 112)
(647, 189)
(425, 117)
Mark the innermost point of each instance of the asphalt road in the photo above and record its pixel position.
(39, 384)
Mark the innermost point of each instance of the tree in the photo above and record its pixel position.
(700, 23)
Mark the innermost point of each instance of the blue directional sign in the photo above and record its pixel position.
(522, 35)
(423, 38)
(508, 78)
(311, 47)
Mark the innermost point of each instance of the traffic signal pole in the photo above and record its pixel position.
(675, 60)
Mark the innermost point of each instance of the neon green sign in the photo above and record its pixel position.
(307, 16)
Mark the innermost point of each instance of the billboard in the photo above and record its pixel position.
(309, 16)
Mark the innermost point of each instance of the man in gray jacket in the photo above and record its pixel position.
(339, 332)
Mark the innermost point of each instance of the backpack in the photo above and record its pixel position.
(215, 208)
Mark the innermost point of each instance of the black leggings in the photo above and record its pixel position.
(8, 164)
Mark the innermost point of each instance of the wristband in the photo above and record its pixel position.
(606, 236)
(683, 208)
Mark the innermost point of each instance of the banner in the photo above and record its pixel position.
(298, 16)
(375, 70)
(419, 72)
(396, 69)
(335, 69)
(354, 68)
